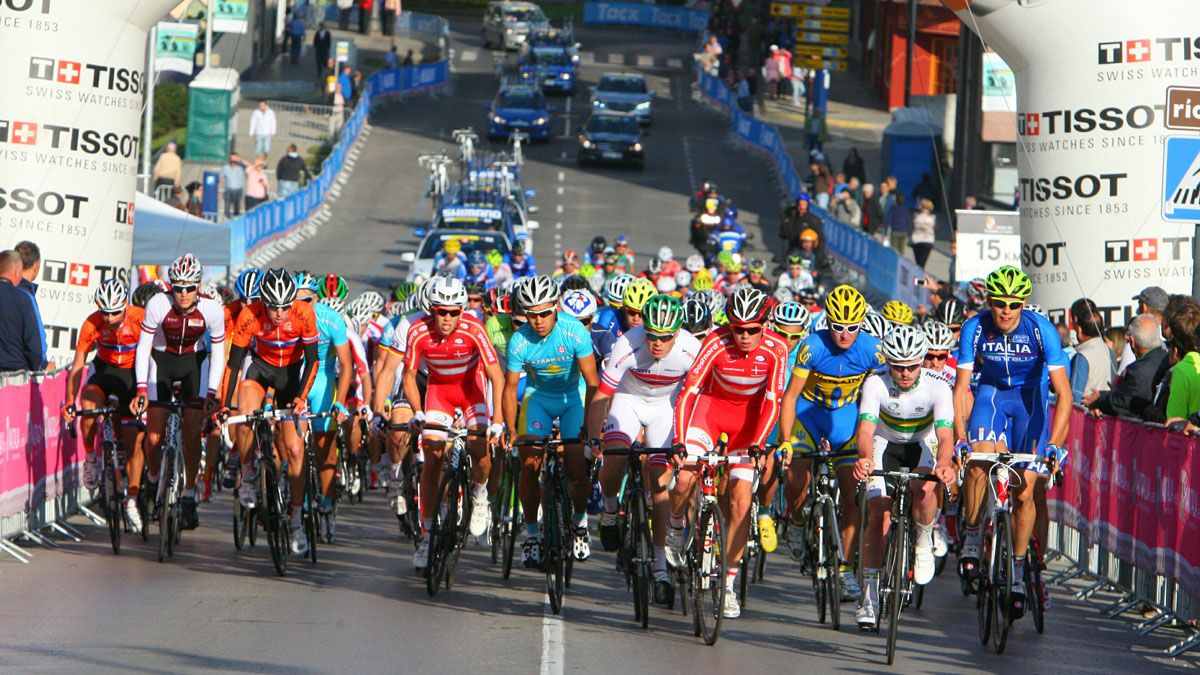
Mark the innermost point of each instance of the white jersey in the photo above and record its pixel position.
(805, 280)
(166, 329)
(946, 374)
(906, 416)
(631, 369)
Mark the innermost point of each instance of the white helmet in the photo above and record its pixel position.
(905, 345)
(874, 324)
(185, 270)
(338, 304)
(666, 285)
(539, 290)
(614, 288)
(694, 263)
(579, 304)
(784, 294)
(665, 254)
(939, 334)
(446, 292)
(372, 302)
(683, 279)
(111, 295)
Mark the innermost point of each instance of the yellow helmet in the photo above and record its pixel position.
(703, 281)
(637, 293)
(898, 312)
(452, 245)
(845, 305)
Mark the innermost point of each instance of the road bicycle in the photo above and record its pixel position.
(451, 509)
(110, 461)
(823, 533)
(558, 523)
(171, 474)
(270, 482)
(635, 557)
(506, 509)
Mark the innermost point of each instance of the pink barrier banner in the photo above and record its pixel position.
(1134, 489)
(39, 461)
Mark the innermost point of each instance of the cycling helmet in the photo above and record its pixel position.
(360, 312)
(305, 281)
(665, 254)
(474, 288)
(405, 290)
(662, 314)
(278, 288)
(716, 301)
(334, 286)
(1037, 309)
(795, 260)
(372, 302)
(757, 265)
(444, 292)
(247, 284)
(694, 263)
(702, 282)
(598, 245)
(905, 345)
(614, 289)
(939, 334)
(578, 303)
(1008, 282)
(666, 285)
(683, 279)
(396, 309)
(821, 322)
(185, 270)
(210, 291)
(950, 312)
(143, 293)
(333, 301)
(654, 266)
(845, 305)
(809, 293)
(227, 294)
(611, 259)
(477, 257)
(897, 312)
(697, 317)
(791, 314)
(111, 295)
(575, 282)
(725, 258)
(495, 258)
(810, 234)
(637, 293)
(874, 324)
(539, 290)
(747, 305)
(784, 294)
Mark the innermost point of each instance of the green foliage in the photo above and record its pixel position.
(170, 108)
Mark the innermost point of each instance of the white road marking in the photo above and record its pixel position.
(645, 61)
(558, 208)
(674, 63)
(558, 226)
(552, 641)
(616, 58)
(562, 175)
(561, 189)
(468, 55)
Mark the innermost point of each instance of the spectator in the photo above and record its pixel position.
(233, 180)
(344, 7)
(796, 219)
(322, 43)
(365, 7)
(815, 130)
(712, 55)
(872, 212)
(195, 199)
(21, 339)
(296, 35)
(1115, 337)
(1064, 336)
(345, 90)
(262, 128)
(408, 59)
(770, 72)
(391, 61)
(31, 264)
(823, 186)
(1093, 367)
(178, 199)
(256, 182)
(168, 170)
(1153, 301)
(899, 223)
(845, 210)
(391, 9)
(885, 196)
(1133, 393)
(1184, 399)
(783, 65)
(742, 91)
(923, 228)
(799, 75)
(854, 166)
(289, 170)
(925, 190)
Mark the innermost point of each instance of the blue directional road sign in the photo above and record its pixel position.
(1181, 179)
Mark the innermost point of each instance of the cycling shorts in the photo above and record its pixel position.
(1018, 418)
(114, 381)
(629, 414)
(442, 399)
(542, 408)
(814, 422)
(285, 380)
(714, 416)
(320, 400)
(186, 369)
(889, 456)
(399, 400)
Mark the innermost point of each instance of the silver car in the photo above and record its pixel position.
(507, 24)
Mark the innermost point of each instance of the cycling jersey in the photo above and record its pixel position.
(523, 268)
(633, 370)
(603, 342)
(277, 344)
(179, 339)
(453, 358)
(833, 374)
(610, 319)
(362, 369)
(1021, 358)
(551, 361)
(946, 374)
(115, 345)
(905, 416)
(331, 334)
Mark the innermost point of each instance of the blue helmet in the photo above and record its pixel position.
(248, 283)
(305, 281)
(477, 257)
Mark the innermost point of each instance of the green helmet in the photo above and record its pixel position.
(403, 291)
(637, 294)
(1008, 282)
(662, 314)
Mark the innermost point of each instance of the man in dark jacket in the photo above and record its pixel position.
(322, 41)
(796, 220)
(289, 170)
(20, 341)
(1134, 392)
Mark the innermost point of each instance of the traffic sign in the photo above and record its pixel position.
(1181, 179)
(819, 52)
(823, 38)
(817, 64)
(834, 25)
(1183, 108)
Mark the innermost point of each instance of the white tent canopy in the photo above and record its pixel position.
(162, 233)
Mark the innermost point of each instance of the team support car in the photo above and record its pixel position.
(611, 137)
(521, 108)
(507, 25)
(422, 261)
(624, 92)
(485, 207)
(551, 67)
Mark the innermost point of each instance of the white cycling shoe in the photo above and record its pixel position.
(481, 516)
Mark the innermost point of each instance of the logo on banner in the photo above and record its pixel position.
(1183, 108)
(1086, 120)
(1057, 188)
(40, 6)
(93, 75)
(1148, 249)
(125, 213)
(1181, 179)
(48, 203)
(75, 139)
(1144, 50)
(18, 133)
(64, 272)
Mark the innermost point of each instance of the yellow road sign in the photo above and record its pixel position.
(790, 9)
(822, 38)
(834, 25)
(818, 52)
(816, 64)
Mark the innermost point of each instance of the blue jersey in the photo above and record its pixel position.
(602, 342)
(1020, 359)
(525, 268)
(331, 331)
(834, 375)
(551, 361)
(609, 319)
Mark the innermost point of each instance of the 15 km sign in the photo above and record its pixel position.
(986, 240)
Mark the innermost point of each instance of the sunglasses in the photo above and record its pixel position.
(850, 328)
(655, 337)
(790, 336)
(540, 315)
(279, 308)
(1011, 304)
(476, 298)
(185, 289)
(112, 312)
(586, 321)
(937, 356)
(905, 369)
(746, 330)
(632, 313)
(447, 312)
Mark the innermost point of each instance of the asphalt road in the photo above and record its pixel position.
(361, 608)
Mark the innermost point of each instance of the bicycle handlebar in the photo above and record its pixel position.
(905, 476)
(633, 452)
(274, 414)
(542, 442)
(1003, 457)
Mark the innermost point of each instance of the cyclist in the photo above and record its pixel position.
(897, 313)
(459, 358)
(796, 276)
(899, 410)
(282, 337)
(636, 294)
(1020, 358)
(171, 349)
(502, 273)
(755, 271)
(329, 391)
(697, 318)
(728, 282)
(451, 261)
(941, 343)
(638, 391)
(670, 266)
(610, 316)
(626, 262)
(821, 403)
(478, 269)
(556, 351)
(522, 263)
(733, 389)
(113, 330)
(475, 300)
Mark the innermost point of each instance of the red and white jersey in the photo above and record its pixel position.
(631, 369)
(166, 329)
(451, 358)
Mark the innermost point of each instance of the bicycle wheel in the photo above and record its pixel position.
(1035, 589)
(984, 586)
(312, 497)
(643, 559)
(251, 526)
(463, 512)
(552, 538)
(112, 496)
(441, 532)
(274, 521)
(509, 527)
(165, 531)
(566, 509)
(1002, 608)
(897, 577)
(832, 562)
(816, 563)
(143, 507)
(239, 525)
(708, 579)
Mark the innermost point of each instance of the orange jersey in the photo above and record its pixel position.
(232, 311)
(276, 345)
(117, 345)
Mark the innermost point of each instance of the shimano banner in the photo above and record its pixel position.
(645, 14)
(1103, 183)
(71, 89)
